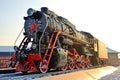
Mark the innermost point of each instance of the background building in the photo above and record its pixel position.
(5, 55)
(113, 57)
(6, 50)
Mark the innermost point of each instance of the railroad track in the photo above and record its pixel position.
(32, 76)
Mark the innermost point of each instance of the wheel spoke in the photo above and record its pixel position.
(71, 65)
(82, 61)
(83, 64)
(78, 65)
(88, 61)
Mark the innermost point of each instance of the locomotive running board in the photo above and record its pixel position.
(74, 38)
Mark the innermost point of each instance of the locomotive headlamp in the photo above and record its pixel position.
(30, 11)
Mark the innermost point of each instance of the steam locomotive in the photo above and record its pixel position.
(52, 42)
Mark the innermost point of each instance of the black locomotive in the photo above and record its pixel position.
(52, 42)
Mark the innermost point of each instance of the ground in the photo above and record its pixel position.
(113, 76)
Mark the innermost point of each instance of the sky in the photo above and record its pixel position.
(99, 17)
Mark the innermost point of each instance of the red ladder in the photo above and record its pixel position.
(48, 53)
(22, 45)
(19, 51)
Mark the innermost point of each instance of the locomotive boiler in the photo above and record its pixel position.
(52, 42)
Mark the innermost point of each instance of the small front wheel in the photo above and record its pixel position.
(43, 66)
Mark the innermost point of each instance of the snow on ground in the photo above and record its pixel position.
(113, 76)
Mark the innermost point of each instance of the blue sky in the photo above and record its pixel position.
(11, 17)
(99, 17)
